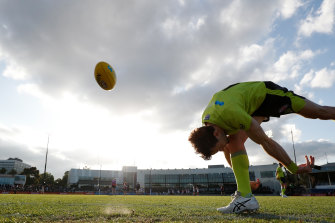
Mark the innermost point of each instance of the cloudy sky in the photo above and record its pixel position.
(169, 57)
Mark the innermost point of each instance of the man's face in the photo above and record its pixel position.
(222, 140)
(216, 148)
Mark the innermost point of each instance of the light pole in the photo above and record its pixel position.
(150, 181)
(295, 158)
(45, 165)
(99, 180)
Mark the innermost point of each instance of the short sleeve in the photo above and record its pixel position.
(236, 120)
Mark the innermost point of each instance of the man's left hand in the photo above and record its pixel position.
(306, 167)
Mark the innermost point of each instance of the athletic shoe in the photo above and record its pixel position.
(283, 195)
(240, 204)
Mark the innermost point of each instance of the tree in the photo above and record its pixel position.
(65, 178)
(3, 170)
(47, 179)
(62, 182)
(17, 159)
(12, 172)
(32, 175)
(58, 182)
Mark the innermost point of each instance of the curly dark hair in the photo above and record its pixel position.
(203, 139)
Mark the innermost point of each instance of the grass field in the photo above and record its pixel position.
(90, 208)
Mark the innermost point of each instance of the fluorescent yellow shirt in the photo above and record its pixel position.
(279, 173)
(231, 108)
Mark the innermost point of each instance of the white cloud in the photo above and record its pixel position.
(289, 65)
(298, 89)
(321, 22)
(286, 62)
(247, 63)
(15, 71)
(269, 133)
(289, 130)
(317, 148)
(289, 7)
(32, 89)
(323, 78)
(230, 15)
(307, 78)
(200, 76)
(174, 27)
(239, 16)
(249, 54)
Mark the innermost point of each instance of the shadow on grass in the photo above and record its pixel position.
(268, 216)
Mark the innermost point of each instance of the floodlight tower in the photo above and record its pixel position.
(46, 157)
(295, 158)
(45, 165)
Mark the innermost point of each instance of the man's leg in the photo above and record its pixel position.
(240, 162)
(242, 199)
(283, 188)
(315, 111)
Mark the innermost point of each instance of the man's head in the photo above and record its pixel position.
(281, 165)
(208, 140)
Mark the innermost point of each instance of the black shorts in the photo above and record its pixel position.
(279, 101)
(282, 180)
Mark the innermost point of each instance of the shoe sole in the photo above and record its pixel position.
(249, 211)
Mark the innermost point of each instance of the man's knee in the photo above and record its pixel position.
(240, 137)
(324, 112)
(315, 111)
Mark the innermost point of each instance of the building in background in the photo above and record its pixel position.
(88, 179)
(206, 180)
(13, 164)
(323, 180)
(10, 170)
(10, 180)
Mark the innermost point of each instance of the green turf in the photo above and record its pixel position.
(90, 208)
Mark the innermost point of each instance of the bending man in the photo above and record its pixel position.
(234, 115)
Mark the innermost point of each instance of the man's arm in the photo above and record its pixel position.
(257, 135)
(227, 155)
